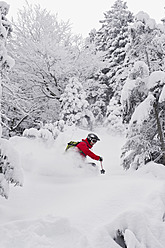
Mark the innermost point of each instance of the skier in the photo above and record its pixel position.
(84, 148)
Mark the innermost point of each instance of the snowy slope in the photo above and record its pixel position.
(61, 205)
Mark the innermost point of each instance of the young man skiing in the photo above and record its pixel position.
(86, 144)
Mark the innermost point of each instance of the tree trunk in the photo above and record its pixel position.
(148, 61)
(160, 131)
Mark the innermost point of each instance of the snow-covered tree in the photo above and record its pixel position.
(87, 62)
(97, 94)
(134, 90)
(112, 38)
(113, 120)
(75, 109)
(146, 132)
(46, 54)
(44, 50)
(10, 171)
(54, 127)
(147, 41)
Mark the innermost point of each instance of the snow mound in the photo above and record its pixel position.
(123, 231)
(30, 133)
(46, 232)
(153, 169)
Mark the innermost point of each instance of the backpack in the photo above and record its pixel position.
(72, 144)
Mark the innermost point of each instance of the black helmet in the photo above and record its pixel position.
(92, 137)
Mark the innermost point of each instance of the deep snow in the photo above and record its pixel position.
(63, 206)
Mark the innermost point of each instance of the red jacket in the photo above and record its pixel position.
(84, 147)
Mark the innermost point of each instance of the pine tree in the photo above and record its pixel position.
(10, 171)
(145, 136)
(112, 38)
(147, 41)
(134, 90)
(113, 120)
(140, 142)
(74, 107)
(97, 97)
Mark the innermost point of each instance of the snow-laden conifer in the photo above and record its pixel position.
(134, 90)
(97, 93)
(113, 120)
(75, 109)
(112, 38)
(113, 35)
(10, 170)
(145, 136)
(147, 40)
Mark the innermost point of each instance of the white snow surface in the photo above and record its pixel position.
(66, 204)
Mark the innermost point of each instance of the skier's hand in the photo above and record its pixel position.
(102, 171)
(100, 159)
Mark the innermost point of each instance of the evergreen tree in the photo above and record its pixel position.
(113, 120)
(10, 171)
(97, 97)
(147, 41)
(145, 136)
(74, 107)
(112, 38)
(134, 90)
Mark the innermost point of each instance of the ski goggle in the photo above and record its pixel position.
(93, 140)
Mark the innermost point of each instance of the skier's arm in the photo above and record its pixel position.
(83, 147)
(93, 155)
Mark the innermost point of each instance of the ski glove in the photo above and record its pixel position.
(100, 159)
(102, 171)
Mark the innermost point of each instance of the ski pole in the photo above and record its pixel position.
(102, 170)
